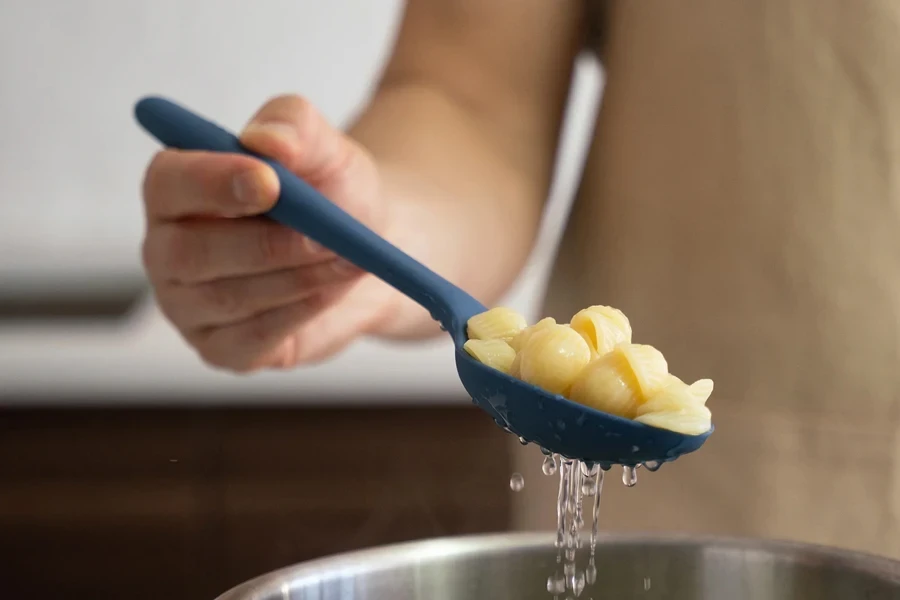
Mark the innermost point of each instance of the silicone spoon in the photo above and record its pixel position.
(551, 421)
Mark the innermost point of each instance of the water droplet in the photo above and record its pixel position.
(556, 584)
(545, 452)
(652, 465)
(646, 583)
(549, 467)
(587, 487)
(629, 476)
(589, 483)
(516, 482)
(576, 583)
(523, 441)
(591, 573)
(570, 555)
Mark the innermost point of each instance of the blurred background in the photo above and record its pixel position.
(127, 467)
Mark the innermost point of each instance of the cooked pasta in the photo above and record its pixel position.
(523, 336)
(701, 390)
(593, 361)
(553, 357)
(689, 421)
(649, 366)
(608, 384)
(494, 353)
(496, 324)
(676, 394)
(515, 368)
(604, 328)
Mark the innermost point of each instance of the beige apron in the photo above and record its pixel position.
(741, 204)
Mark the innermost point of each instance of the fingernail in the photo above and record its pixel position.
(247, 188)
(284, 131)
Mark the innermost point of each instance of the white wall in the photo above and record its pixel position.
(71, 159)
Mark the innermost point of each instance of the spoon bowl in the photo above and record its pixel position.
(564, 427)
(555, 423)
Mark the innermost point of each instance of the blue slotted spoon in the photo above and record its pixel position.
(551, 421)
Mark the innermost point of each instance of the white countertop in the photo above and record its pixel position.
(143, 359)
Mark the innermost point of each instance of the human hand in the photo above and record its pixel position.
(246, 292)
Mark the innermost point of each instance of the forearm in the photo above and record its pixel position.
(466, 196)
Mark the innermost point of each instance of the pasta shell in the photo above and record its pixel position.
(689, 421)
(604, 328)
(609, 385)
(523, 336)
(649, 366)
(553, 357)
(496, 354)
(701, 390)
(516, 368)
(498, 323)
(676, 395)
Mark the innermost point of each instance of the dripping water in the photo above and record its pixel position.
(549, 467)
(562, 503)
(579, 480)
(595, 524)
(516, 482)
(629, 476)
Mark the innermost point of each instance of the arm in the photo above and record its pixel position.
(464, 127)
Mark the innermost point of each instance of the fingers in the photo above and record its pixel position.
(292, 131)
(253, 344)
(228, 301)
(181, 184)
(300, 333)
(246, 292)
(191, 252)
(267, 340)
(341, 323)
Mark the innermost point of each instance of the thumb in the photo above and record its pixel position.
(292, 131)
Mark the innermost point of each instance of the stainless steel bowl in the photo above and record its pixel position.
(501, 567)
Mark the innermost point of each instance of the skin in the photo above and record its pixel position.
(451, 161)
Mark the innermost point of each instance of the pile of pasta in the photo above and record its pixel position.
(592, 360)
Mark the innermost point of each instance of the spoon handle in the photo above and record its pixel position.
(304, 209)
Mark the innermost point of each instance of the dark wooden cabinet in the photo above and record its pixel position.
(183, 504)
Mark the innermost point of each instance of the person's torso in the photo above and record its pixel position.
(741, 204)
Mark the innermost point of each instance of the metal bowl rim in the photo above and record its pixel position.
(423, 551)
